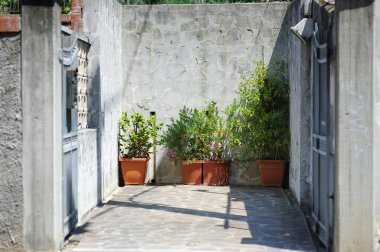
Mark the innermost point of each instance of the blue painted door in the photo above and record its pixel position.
(322, 143)
(70, 142)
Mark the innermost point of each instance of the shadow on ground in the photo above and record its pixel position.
(197, 217)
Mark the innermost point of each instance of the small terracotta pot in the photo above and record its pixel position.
(215, 172)
(272, 172)
(192, 172)
(133, 170)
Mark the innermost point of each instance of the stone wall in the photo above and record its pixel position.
(376, 130)
(102, 22)
(295, 62)
(87, 171)
(299, 80)
(176, 55)
(11, 187)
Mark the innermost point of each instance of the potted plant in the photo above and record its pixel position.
(186, 140)
(262, 120)
(215, 167)
(199, 139)
(137, 136)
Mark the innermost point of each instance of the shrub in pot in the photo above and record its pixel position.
(198, 138)
(215, 167)
(137, 136)
(261, 120)
(186, 139)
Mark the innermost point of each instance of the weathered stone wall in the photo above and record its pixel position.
(376, 129)
(299, 80)
(295, 63)
(176, 55)
(87, 171)
(11, 187)
(102, 22)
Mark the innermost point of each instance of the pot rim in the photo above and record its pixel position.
(262, 161)
(218, 161)
(192, 161)
(133, 159)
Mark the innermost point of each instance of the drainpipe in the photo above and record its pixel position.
(76, 14)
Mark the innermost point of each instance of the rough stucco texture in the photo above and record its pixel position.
(180, 55)
(376, 136)
(299, 81)
(111, 89)
(87, 172)
(102, 20)
(11, 195)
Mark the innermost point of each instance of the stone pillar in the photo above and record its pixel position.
(42, 125)
(354, 124)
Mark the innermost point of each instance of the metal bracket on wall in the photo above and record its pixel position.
(319, 50)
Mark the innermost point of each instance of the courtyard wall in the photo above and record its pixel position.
(102, 23)
(184, 55)
(300, 111)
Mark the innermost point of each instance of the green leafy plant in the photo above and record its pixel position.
(197, 135)
(184, 136)
(66, 6)
(137, 135)
(259, 117)
(9, 6)
(221, 137)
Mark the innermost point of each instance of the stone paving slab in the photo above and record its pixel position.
(194, 218)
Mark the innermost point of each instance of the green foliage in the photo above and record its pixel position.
(259, 117)
(66, 6)
(221, 137)
(197, 134)
(185, 135)
(9, 6)
(137, 135)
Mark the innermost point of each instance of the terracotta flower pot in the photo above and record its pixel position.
(133, 170)
(215, 172)
(192, 172)
(272, 172)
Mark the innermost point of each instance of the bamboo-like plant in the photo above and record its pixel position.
(259, 117)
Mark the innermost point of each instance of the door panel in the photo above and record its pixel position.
(322, 166)
(70, 142)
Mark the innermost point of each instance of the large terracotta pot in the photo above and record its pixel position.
(133, 170)
(215, 172)
(192, 172)
(272, 172)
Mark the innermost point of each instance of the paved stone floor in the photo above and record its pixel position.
(194, 218)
